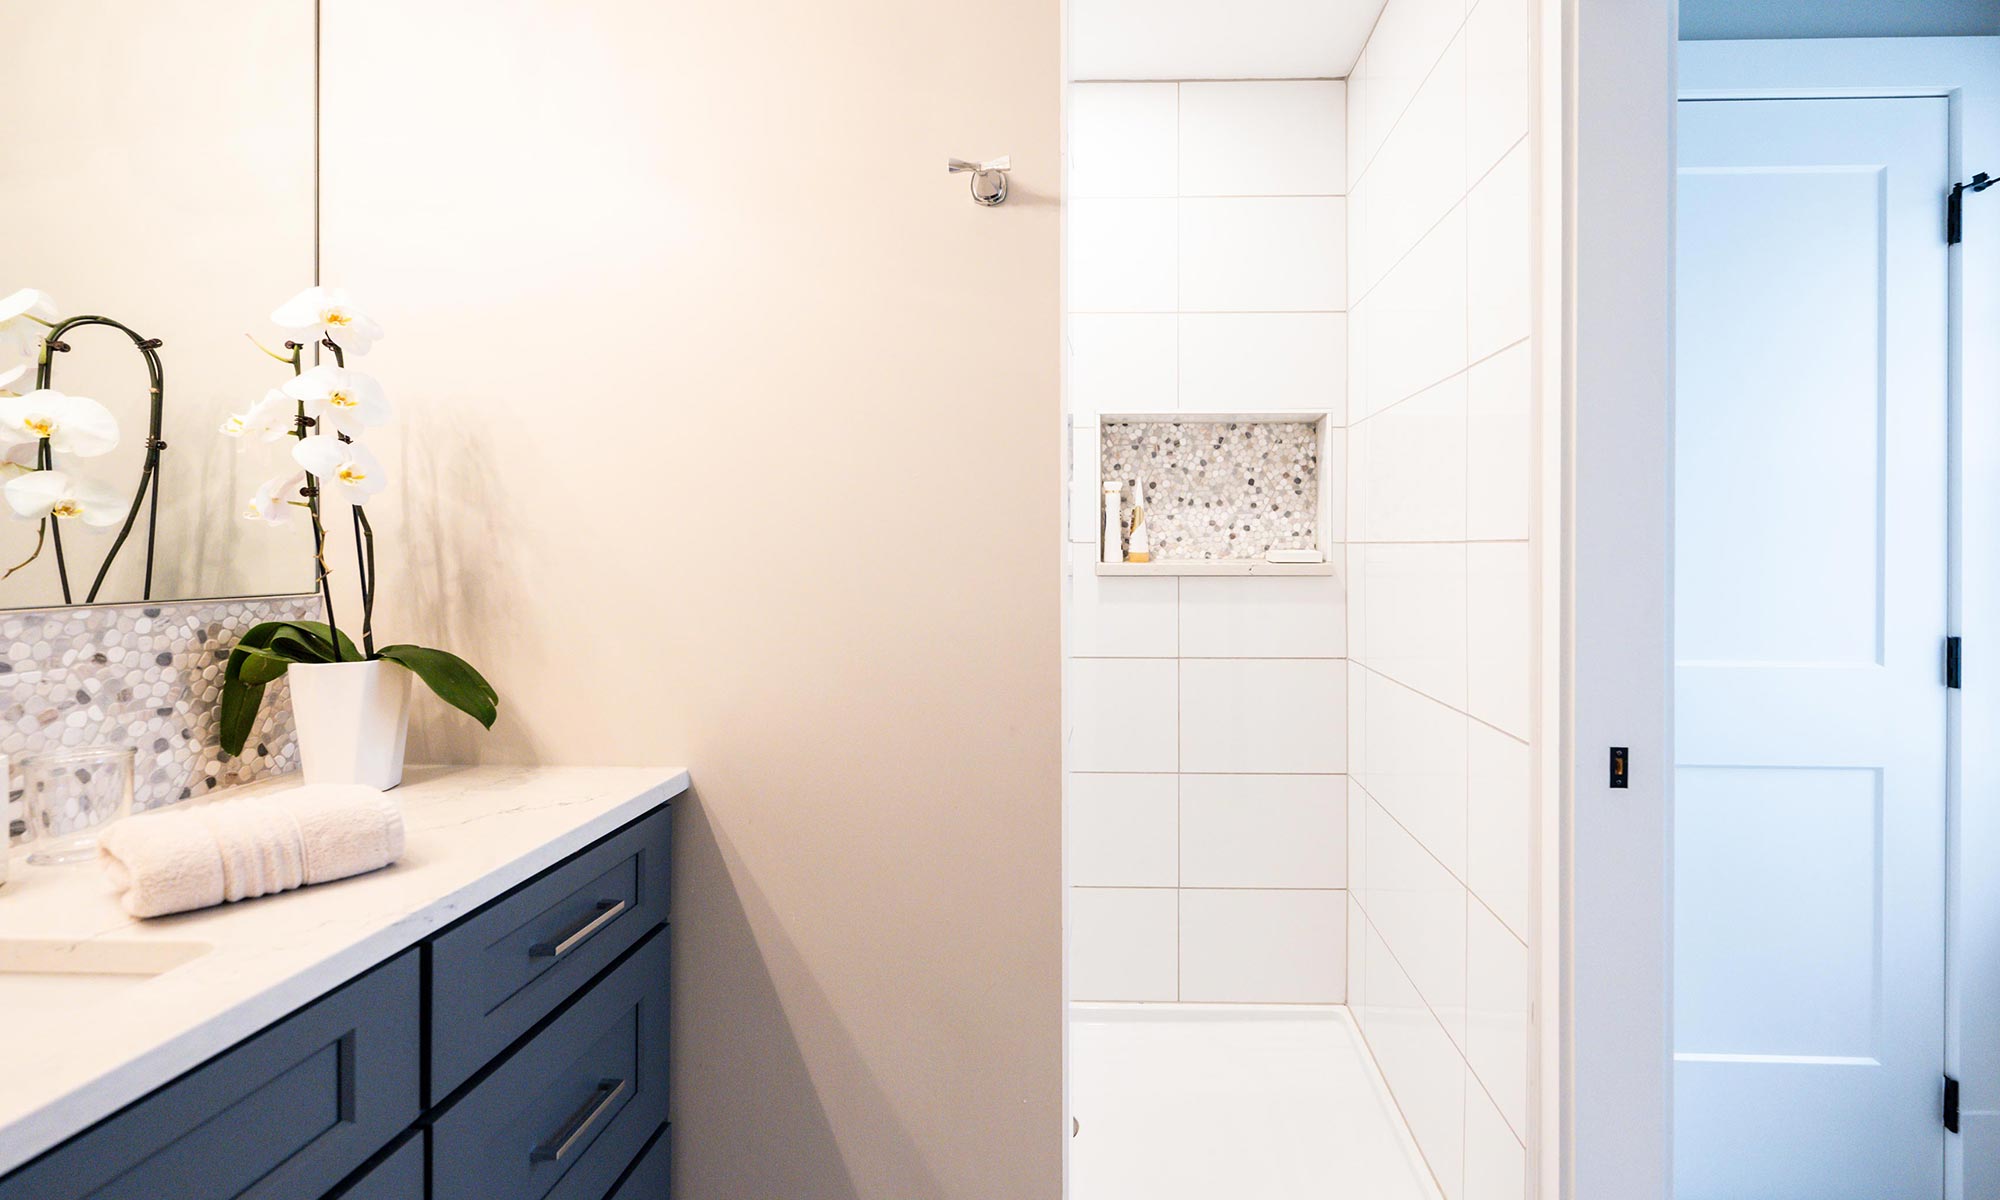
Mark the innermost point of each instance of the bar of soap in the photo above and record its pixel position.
(1295, 556)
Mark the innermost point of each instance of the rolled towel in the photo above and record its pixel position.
(192, 857)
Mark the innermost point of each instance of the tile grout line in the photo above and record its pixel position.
(1466, 371)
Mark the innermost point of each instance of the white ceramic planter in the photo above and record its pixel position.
(353, 720)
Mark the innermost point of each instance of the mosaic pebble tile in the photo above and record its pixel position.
(1218, 489)
(148, 677)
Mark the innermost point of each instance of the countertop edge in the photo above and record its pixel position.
(70, 1114)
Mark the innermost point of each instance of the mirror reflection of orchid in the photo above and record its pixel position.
(324, 411)
(39, 423)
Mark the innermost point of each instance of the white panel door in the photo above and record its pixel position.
(1810, 574)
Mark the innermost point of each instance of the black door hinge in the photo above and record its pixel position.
(1954, 662)
(1954, 207)
(1951, 1104)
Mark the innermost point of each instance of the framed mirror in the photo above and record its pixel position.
(161, 173)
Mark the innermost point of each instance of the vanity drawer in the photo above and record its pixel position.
(648, 1180)
(498, 972)
(285, 1115)
(399, 1176)
(564, 1115)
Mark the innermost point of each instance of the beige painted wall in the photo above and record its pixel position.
(729, 434)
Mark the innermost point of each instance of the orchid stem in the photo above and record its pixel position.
(322, 576)
(41, 535)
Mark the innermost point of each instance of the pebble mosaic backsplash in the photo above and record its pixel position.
(149, 677)
(1218, 489)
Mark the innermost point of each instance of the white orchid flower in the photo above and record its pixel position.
(327, 312)
(277, 499)
(19, 459)
(268, 420)
(72, 424)
(24, 317)
(346, 470)
(341, 400)
(40, 494)
(8, 377)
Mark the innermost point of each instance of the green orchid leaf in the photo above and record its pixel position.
(325, 633)
(260, 657)
(455, 681)
(292, 646)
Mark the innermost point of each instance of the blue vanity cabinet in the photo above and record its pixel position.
(289, 1112)
(499, 971)
(398, 1176)
(540, 1019)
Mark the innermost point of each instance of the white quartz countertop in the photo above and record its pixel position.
(76, 1048)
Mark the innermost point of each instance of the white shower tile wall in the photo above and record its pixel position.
(1207, 801)
(144, 676)
(1440, 562)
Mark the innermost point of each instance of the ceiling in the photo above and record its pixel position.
(1217, 39)
(1708, 20)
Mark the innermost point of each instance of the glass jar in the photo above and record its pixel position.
(70, 795)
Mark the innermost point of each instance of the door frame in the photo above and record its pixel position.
(1614, 869)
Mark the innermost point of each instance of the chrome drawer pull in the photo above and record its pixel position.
(606, 910)
(579, 1123)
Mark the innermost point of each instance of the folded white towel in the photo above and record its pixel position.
(194, 856)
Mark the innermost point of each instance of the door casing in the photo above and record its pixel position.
(1612, 1042)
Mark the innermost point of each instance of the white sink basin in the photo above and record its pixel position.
(35, 972)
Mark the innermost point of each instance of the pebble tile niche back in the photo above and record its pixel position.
(1222, 489)
(147, 676)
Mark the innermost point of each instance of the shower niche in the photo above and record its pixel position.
(1225, 493)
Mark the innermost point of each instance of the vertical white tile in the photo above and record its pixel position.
(1269, 947)
(1423, 1068)
(1225, 616)
(1123, 944)
(1359, 147)
(1408, 464)
(1499, 823)
(1085, 509)
(1416, 319)
(1358, 804)
(1124, 711)
(1263, 831)
(1123, 139)
(1496, 81)
(1357, 716)
(1123, 255)
(1500, 630)
(1419, 174)
(1119, 616)
(1260, 716)
(1263, 362)
(1499, 451)
(1356, 982)
(1496, 1165)
(1496, 1033)
(1279, 254)
(1416, 766)
(1415, 621)
(1419, 909)
(1359, 340)
(1409, 38)
(1263, 138)
(1122, 362)
(1124, 831)
(1497, 242)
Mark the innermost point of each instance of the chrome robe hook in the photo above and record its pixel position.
(989, 179)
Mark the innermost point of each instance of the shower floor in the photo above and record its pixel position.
(1241, 1101)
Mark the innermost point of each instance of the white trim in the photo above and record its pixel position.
(1609, 873)
(1609, 880)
